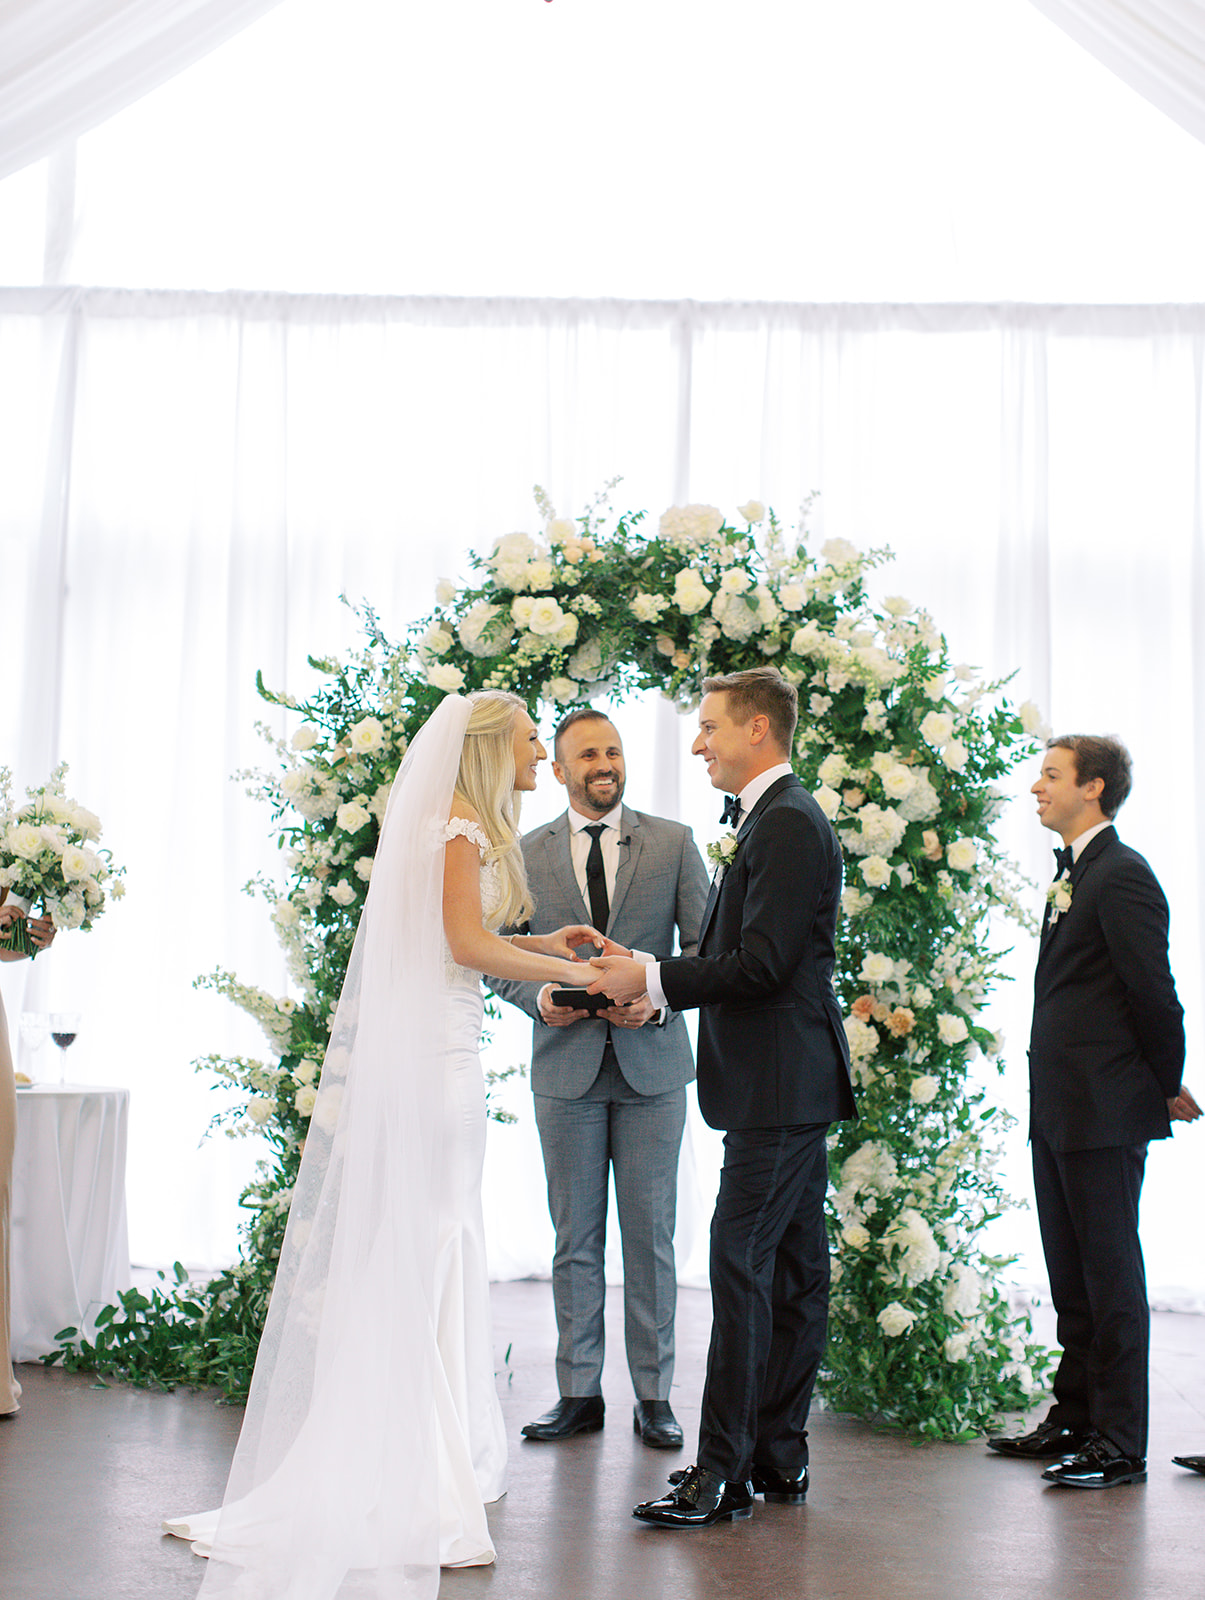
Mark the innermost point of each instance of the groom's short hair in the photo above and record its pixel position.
(760, 692)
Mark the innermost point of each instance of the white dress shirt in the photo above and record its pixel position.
(748, 797)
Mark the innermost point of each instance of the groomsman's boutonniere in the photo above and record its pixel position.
(720, 853)
(1058, 898)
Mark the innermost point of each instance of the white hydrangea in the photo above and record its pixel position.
(828, 800)
(919, 1254)
(870, 1169)
(963, 1291)
(922, 802)
(878, 832)
(472, 630)
(690, 525)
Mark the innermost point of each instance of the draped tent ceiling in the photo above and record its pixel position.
(66, 65)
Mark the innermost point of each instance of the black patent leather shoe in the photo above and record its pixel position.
(780, 1488)
(700, 1499)
(1099, 1465)
(656, 1424)
(1193, 1463)
(1049, 1441)
(567, 1417)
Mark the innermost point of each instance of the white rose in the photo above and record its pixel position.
(957, 1346)
(85, 822)
(24, 840)
(922, 996)
(923, 1090)
(833, 768)
(895, 1319)
(567, 632)
(839, 552)
(876, 968)
(560, 530)
(897, 605)
(875, 872)
(820, 705)
(691, 594)
(735, 581)
(472, 630)
(521, 608)
(1033, 721)
(855, 1235)
(962, 854)
(648, 607)
(352, 816)
(364, 868)
(305, 1100)
(306, 737)
(828, 800)
(955, 755)
(511, 549)
(368, 735)
(285, 914)
(75, 864)
(260, 1110)
(854, 902)
(752, 511)
(937, 728)
(808, 640)
(342, 894)
(546, 616)
(436, 641)
(951, 1029)
(445, 677)
(445, 592)
(560, 690)
(793, 596)
(897, 782)
(305, 1072)
(326, 1112)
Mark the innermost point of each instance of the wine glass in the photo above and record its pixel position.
(64, 1027)
(35, 1030)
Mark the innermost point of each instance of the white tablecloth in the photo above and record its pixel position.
(70, 1241)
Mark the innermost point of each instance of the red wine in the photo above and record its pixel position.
(63, 1039)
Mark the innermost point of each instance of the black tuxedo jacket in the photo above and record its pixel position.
(1106, 1051)
(772, 1050)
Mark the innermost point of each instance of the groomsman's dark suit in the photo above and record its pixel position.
(773, 1071)
(1106, 1055)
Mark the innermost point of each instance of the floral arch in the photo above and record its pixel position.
(901, 749)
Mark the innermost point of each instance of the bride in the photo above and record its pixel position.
(373, 1435)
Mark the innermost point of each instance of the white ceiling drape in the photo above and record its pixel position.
(1156, 46)
(66, 65)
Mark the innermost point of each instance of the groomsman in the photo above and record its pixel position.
(1105, 1060)
(609, 1085)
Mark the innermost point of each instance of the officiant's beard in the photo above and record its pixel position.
(592, 798)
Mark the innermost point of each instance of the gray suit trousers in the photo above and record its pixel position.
(638, 1136)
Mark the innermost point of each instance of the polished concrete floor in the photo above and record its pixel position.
(87, 1473)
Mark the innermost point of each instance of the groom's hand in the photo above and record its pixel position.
(634, 1015)
(619, 978)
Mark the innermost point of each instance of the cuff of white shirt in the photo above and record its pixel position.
(652, 981)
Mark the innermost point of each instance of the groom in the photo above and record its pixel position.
(773, 1070)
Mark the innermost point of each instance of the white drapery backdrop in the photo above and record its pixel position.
(191, 480)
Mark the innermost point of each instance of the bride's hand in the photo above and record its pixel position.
(566, 941)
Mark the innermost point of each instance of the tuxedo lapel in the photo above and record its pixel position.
(1079, 868)
(717, 883)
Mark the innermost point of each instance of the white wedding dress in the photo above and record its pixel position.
(374, 1438)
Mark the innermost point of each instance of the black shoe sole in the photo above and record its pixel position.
(738, 1514)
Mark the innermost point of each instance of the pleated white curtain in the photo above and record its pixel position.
(66, 65)
(1156, 46)
(191, 480)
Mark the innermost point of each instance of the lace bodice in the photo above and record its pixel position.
(491, 895)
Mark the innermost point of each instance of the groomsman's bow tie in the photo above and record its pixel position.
(1063, 859)
(731, 814)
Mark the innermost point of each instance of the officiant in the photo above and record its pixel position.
(609, 1086)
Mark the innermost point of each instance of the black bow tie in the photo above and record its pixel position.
(1063, 859)
(731, 814)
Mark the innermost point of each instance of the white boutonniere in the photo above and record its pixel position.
(1058, 898)
(720, 853)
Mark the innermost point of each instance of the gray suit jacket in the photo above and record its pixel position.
(661, 885)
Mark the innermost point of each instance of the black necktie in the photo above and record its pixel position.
(731, 814)
(596, 878)
(1063, 859)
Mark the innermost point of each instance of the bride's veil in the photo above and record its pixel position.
(334, 1490)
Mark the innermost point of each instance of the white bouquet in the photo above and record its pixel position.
(48, 859)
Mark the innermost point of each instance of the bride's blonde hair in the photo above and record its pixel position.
(486, 782)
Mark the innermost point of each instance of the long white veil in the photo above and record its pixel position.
(334, 1489)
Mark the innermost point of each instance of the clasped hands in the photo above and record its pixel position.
(620, 977)
(41, 929)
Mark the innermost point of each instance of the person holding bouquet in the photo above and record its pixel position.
(41, 933)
